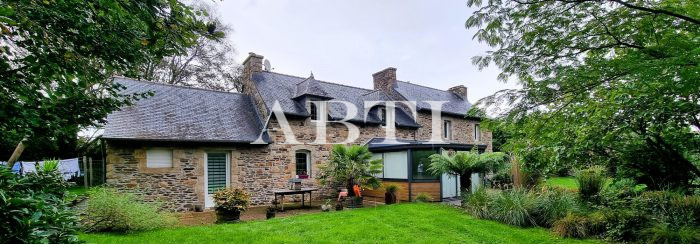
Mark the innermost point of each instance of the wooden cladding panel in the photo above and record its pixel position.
(430, 188)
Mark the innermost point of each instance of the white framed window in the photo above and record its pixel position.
(159, 158)
(381, 112)
(447, 129)
(302, 159)
(477, 132)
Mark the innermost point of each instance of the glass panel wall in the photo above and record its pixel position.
(420, 165)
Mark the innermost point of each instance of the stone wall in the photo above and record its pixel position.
(179, 187)
(462, 130)
(257, 169)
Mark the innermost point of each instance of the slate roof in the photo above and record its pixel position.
(455, 105)
(310, 87)
(178, 113)
(283, 88)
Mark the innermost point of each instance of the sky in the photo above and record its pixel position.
(347, 41)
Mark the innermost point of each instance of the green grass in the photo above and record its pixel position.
(564, 182)
(78, 190)
(412, 222)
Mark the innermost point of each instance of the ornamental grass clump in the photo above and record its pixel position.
(111, 211)
(552, 204)
(590, 182)
(514, 207)
(478, 203)
(422, 197)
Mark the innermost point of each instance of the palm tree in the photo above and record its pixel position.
(464, 164)
(351, 165)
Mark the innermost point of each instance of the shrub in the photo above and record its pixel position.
(620, 193)
(478, 203)
(685, 210)
(231, 199)
(513, 207)
(502, 176)
(32, 209)
(552, 204)
(576, 225)
(422, 197)
(670, 208)
(573, 226)
(590, 182)
(624, 224)
(664, 234)
(109, 210)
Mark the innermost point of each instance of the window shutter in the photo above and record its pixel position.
(216, 172)
(159, 158)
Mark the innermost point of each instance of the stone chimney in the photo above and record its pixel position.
(253, 63)
(385, 80)
(460, 90)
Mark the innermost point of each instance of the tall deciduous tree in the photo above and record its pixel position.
(57, 57)
(615, 82)
(209, 63)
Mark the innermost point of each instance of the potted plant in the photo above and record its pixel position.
(230, 202)
(326, 206)
(271, 212)
(351, 167)
(339, 206)
(390, 194)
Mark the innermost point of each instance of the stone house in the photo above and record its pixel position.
(184, 143)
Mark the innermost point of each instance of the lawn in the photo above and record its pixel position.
(425, 223)
(78, 190)
(564, 182)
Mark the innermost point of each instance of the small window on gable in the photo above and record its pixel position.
(447, 129)
(159, 158)
(382, 115)
(313, 110)
(477, 132)
(303, 164)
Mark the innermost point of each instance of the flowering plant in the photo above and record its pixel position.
(231, 199)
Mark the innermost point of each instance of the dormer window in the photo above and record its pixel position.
(381, 113)
(313, 110)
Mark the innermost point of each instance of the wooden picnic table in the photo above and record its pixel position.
(303, 193)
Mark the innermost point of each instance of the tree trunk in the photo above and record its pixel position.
(465, 182)
(351, 191)
(15, 155)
